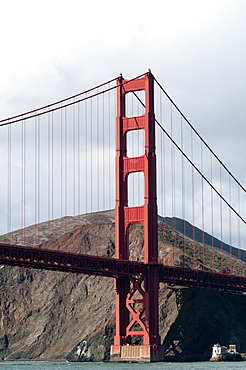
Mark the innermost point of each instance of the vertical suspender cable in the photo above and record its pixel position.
(65, 170)
(78, 158)
(161, 177)
(9, 206)
(97, 169)
(138, 150)
(221, 223)
(174, 196)
(173, 191)
(239, 235)
(162, 172)
(38, 212)
(24, 190)
(193, 204)
(48, 182)
(133, 152)
(23, 181)
(212, 210)
(183, 195)
(74, 168)
(203, 242)
(86, 157)
(109, 148)
(52, 173)
(164, 193)
(97, 149)
(103, 155)
(230, 233)
(36, 178)
(91, 179)
(162, 197)
(61, 166)
(109, 145)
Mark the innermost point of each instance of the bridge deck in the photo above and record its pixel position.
(22, 256)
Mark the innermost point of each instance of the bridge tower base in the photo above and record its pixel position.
(137, 353)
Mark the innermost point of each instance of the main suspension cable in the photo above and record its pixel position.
(200, 173)
(36, 112)
(189, 160)
(200, 137)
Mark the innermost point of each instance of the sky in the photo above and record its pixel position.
(196, 49)
(52, 49)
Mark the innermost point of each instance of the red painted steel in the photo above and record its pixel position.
(201, 278)
(15, 255)
(46, 259)
(136, 283)
(145, 319)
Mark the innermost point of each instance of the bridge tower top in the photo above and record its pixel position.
(147, 213)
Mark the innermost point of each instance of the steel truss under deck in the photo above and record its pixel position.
(14, 255)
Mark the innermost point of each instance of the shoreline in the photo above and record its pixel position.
(33, 360)
(187, 358)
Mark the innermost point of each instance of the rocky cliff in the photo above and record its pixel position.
(54, 315)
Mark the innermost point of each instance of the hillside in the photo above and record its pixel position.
(181, 225)
(54, 315)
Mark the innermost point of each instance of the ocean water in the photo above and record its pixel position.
(32, 365)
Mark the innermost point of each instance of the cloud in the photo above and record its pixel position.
(51, 49)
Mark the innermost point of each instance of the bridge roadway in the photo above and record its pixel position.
(22, 256)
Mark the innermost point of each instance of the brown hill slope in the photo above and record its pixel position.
(48, 315)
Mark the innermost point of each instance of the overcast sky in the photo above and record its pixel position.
(51, 49)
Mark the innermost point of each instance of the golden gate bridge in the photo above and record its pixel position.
(70, 158)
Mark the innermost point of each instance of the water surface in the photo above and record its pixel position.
(32, 365)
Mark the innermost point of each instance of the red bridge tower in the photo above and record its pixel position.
(136, 297)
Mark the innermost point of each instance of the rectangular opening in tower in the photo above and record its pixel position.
(135, 189)
(135, 103)
(135, 143)
(136, 242)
